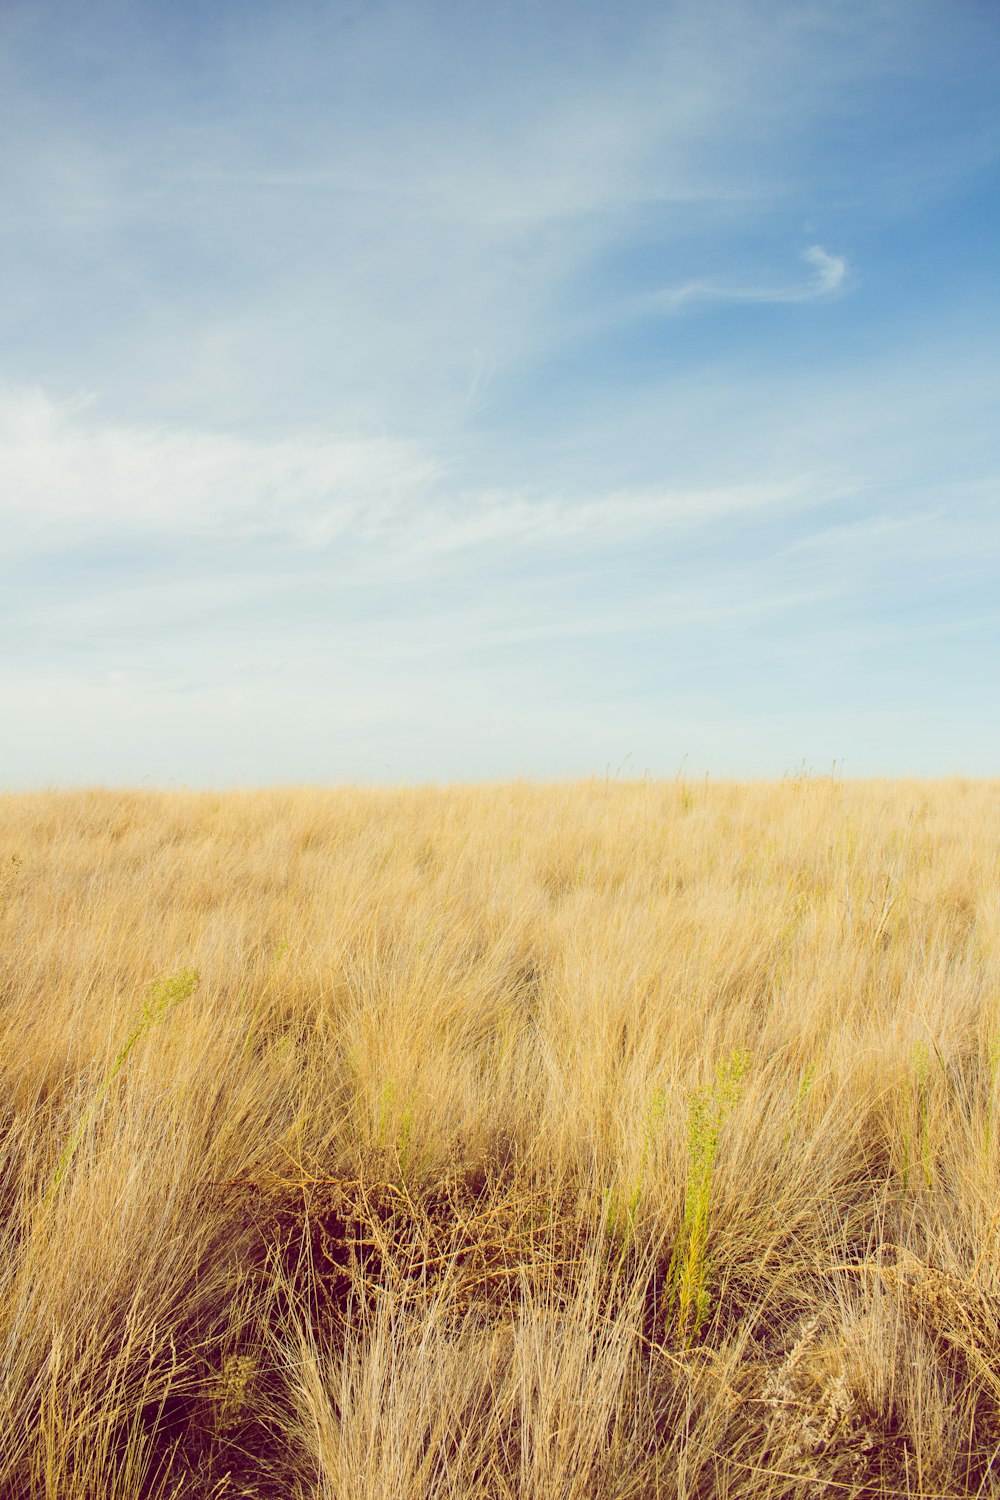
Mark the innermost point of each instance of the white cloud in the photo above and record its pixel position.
(533, 520)
(62, 468)
(67, 476)
(830, 272)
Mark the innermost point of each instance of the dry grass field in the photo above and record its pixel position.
(604, 1140)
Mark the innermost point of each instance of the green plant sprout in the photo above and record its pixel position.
(801, 1095)
(164, 996)
(992, 1070)
(918, 1103)
(255, 1012)
(689, 1272)
(403, 1141)
(9, 876)
(621, 1214)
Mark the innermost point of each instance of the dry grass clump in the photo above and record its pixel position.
(602, 1140)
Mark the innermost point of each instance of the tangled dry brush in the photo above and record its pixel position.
(607, 1140)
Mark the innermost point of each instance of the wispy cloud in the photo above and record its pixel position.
(68, 475)
(831, 270)
(830, 274)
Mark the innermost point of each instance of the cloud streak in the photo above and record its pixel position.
(66, 475)
(830, 274)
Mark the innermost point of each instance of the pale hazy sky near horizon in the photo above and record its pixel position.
(439, 390)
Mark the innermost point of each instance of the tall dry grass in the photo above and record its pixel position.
(598, 1140)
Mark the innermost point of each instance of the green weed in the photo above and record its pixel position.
(164, 996)
(992, 1072)
(621, 1211)
(801, 1095)
(10, 874)
(395, 1128)
(689, 1274)
(917, 1143)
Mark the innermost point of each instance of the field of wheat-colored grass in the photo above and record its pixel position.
(601, 1140)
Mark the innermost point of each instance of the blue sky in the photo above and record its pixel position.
(444, 391)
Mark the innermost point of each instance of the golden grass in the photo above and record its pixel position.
(611, 1140)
